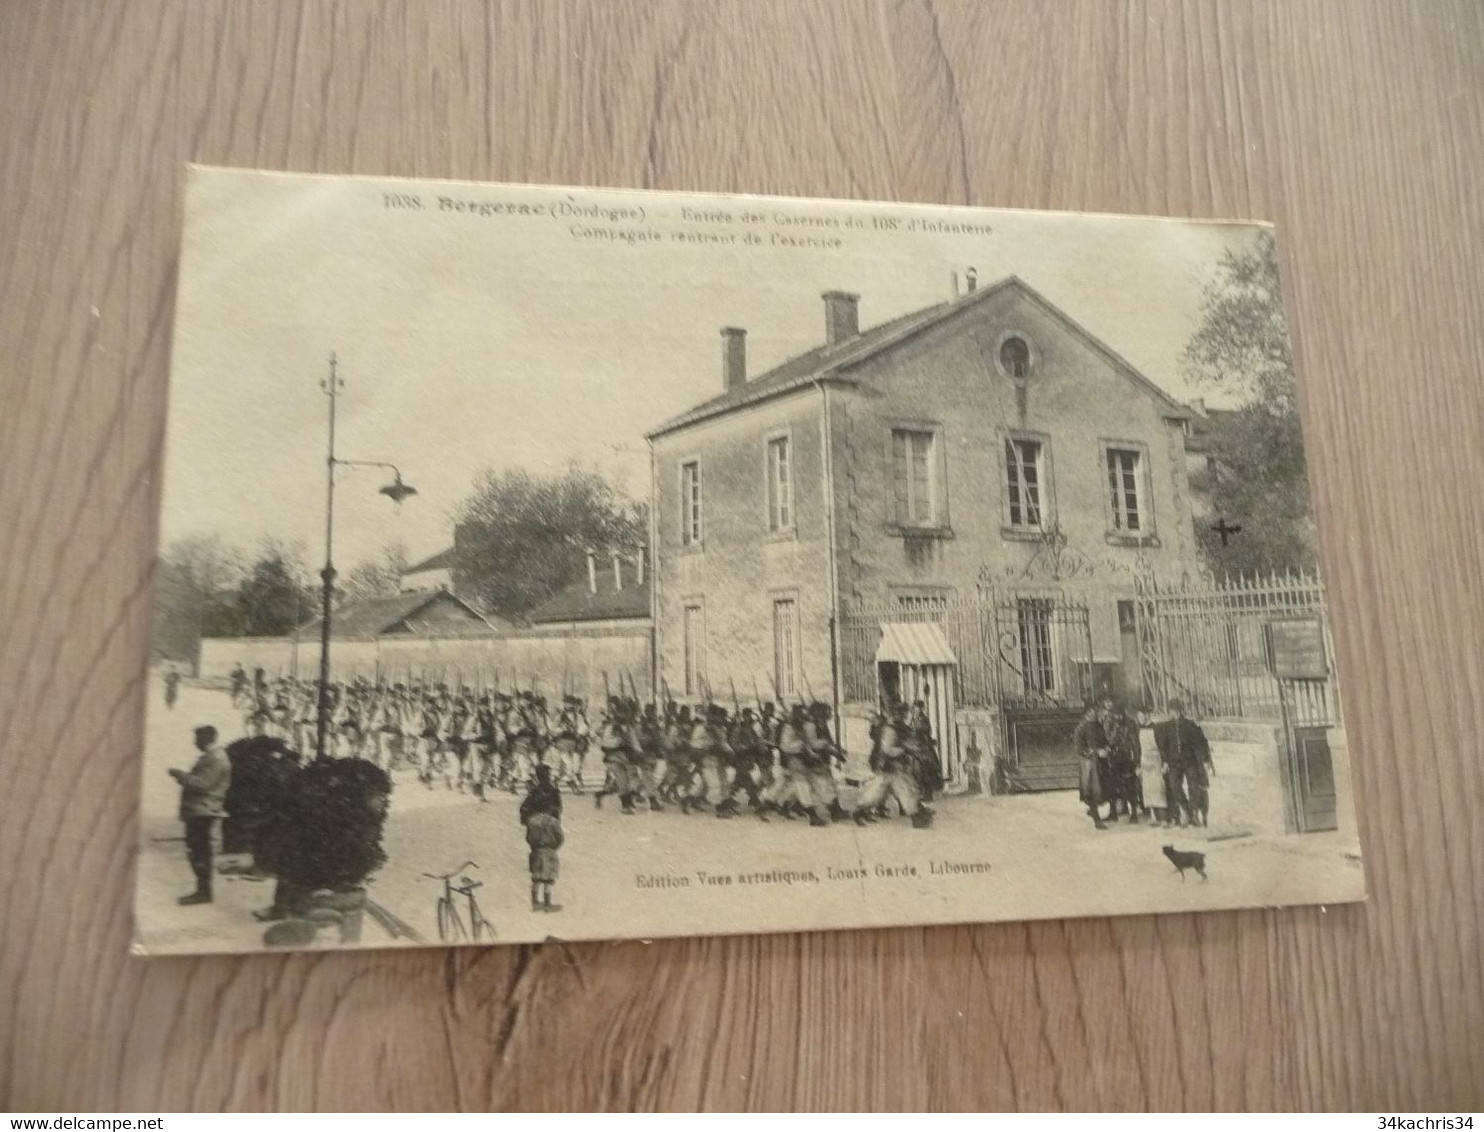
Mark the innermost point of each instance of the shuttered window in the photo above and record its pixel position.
(780, 485)
(690, 503)
(695, 650)
(786, 645)
(913, 469)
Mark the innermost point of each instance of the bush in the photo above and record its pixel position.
(327, 833)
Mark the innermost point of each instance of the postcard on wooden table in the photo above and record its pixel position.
(610, 564)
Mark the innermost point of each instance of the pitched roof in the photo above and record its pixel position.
(577, 602)
(797, 372)
(373, 616)
(443, 560)
(829, 362)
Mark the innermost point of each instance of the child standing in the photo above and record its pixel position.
(541, 814)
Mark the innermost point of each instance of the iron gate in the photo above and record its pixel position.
(1026, 655)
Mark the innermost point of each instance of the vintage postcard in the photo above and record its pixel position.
(580, 563)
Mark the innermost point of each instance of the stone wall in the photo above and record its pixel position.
(576, 661)
(741, 567)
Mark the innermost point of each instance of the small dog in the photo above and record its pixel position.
(1186, 860)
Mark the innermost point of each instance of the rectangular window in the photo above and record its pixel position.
(695, 650)
(786, 645)
(1024, 482)
(1037, 660)
(780, 485)
(690, 503)
(913, 475)
(1124, 476)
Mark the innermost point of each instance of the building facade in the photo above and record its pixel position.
(986, 454)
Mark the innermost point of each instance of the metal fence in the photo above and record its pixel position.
(1010, 648)
(1209, 643)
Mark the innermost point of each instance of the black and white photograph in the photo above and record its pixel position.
(602, 564)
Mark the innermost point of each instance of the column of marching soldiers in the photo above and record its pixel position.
(776, 760)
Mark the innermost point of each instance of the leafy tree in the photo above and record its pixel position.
(1258, 478)
(375, 577)
(521, 537)
(271, 599)
(195, 595)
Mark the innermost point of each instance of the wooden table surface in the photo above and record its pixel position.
(1356, 126)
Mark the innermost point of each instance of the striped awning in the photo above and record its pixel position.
(914, 642)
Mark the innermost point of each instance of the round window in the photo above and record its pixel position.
(1015, 357)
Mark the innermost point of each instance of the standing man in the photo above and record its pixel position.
(239, 684)
(1187, 757)
(172, 687)
(1091, 742)
(1122, 739)
(203, 794)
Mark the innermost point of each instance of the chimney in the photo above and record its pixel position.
(971, 277)
(617, 572)
(953, 276)
(733, 357)
(592, 570)
(639, 564)
(841, 317)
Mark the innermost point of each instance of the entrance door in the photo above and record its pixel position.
(1045, 676)
(930, 685)
(1039, 748)
(1315, 774)
(889, 675)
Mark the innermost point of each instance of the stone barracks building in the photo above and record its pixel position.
(952, 506)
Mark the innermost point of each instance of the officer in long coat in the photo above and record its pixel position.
(1092, 752)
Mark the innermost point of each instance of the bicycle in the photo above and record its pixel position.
(451, 927)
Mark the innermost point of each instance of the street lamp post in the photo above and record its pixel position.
(396, 491)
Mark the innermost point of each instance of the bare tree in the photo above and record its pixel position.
(376, 577)
(195, 594)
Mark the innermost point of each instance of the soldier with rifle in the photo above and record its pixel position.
(794, 786)
(893, 772)
(616, 740)
(679, 766)
(822, 756)
(767, 729)
(649, 749)
(487, 745)
(750, 753)
(711, 753)
(571, 743)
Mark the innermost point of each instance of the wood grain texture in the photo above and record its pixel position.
(1357, 126)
